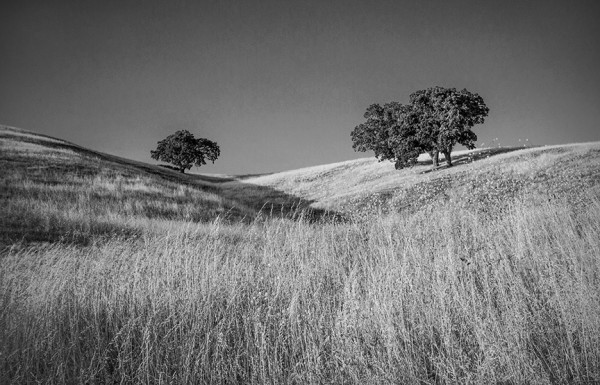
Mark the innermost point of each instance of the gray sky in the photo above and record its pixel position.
(281, 84)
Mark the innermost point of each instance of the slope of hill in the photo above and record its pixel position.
(54, 189)
(50, 186)
(480, 178)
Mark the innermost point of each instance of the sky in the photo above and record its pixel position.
(280, 84)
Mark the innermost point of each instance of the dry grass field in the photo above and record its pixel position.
(114, 271)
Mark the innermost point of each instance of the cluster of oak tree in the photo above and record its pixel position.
(434, 121)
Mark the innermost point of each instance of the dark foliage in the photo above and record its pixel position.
(184, 151)
(434, 121)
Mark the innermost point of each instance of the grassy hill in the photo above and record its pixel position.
(115, 271)
(54, 189)
(481, 178)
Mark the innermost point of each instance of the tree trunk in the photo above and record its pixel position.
(448, 158)
(435, 158)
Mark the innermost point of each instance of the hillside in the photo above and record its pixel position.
(52, 188)
(479, 177)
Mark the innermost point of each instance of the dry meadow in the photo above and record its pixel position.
(113, 271)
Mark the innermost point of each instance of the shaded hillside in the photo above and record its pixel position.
(52, 189)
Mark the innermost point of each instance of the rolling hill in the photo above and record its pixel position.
(63, 177)
(480, 177)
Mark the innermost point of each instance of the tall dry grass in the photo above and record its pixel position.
(442, 296)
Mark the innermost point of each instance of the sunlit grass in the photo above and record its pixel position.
(484, 273)
(455, 299)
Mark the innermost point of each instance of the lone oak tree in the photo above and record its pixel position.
(183, 150)
(434, 121)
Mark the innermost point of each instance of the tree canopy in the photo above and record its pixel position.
(183, 151)
(433, 122)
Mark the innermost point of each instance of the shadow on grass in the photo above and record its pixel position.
(469, 157)
(260, 201)
(36, 228)
(267, 202)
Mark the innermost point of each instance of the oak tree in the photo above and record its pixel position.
(183, 151)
